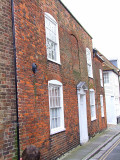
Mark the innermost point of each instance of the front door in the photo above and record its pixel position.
(83, 127)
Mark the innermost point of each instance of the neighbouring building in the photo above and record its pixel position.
(52, 81)
(8, 118)
(100, 93)
(112, 90)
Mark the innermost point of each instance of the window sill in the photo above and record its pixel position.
(57, 62)
(90, 77)
(93, 119)
(58, 130)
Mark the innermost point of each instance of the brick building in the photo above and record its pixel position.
(59, 100)
(8, 128)
(100, 93)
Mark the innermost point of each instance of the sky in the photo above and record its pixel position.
(101, 19)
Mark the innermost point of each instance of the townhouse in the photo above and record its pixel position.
(111, 75)
(100, 92)
(57, 97)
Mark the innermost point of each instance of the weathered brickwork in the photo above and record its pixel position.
(33, 100)
(102, 124)
(7, 85)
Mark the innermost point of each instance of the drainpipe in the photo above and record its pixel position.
(14, 50)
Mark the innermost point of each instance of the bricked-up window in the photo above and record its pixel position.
(101, 78)
(106, 77)
(74, 52)
(102, 107)
(89, 63)
(52, 40)
(92, 105)
(56, 106)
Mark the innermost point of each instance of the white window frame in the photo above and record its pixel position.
(102, 106)
(89, 63)
(50, 18)
(106, 77)
(61, 127)
(92, 105)
(101, 77)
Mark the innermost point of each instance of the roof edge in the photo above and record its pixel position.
(95, 53)
(111, 70)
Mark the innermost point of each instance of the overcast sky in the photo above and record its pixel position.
(101, 19)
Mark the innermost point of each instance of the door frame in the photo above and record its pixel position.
(83, 125)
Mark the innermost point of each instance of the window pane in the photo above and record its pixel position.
(53, 126)
(56, 91)
(50, 35)
(101, 100)
(92, 105)
(59, 112)
(89, 62)
(58, 121)
(58, 101)
(102, 111)
(51, 104)
(106, 77)
(51, 49)
(101, 78)
(88, 58)
(92, 98)
(52, 113)
(102, 107)
(92, 111)
(55, 113)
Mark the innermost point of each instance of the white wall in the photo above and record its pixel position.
(110, 109)
(112, 98)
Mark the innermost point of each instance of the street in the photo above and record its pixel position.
(113, 152)
(110, 152)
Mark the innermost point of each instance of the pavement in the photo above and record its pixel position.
(100, 143)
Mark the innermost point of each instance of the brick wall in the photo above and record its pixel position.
(7, 85)
(33, 98)
(102, 124)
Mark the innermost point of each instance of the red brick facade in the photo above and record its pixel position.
(33, 99)
(7, 85)
(101, 121)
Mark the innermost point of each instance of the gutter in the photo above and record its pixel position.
(95, 53)
(111, 70)
(14, 50)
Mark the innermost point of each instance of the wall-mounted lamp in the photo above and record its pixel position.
(34, 68)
